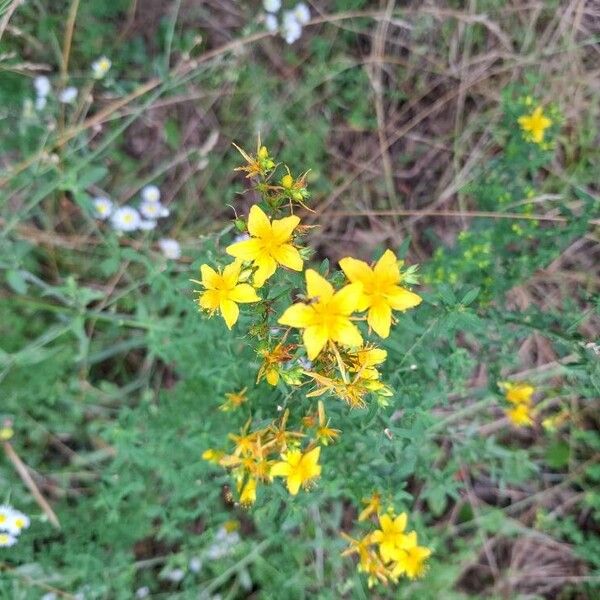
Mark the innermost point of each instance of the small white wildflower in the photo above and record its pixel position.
(125, 219)
(170, 248)
(272, 6)
(101, 67)
(242, 237)
(6, 516)
(274, 330)
(153, 210)
(413, 367)
(305, 363)
(42, 86)
(103, 207)
(291, 29)
(271, 24)
(142, 592)
(302, 13)
(40, 102)
(176, 575)
(68, 95)
(7, 540)
(17, 522)
(147, 225)
(150, 193)
(49, 596)
(195, 564)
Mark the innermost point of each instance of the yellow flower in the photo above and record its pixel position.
(269, 245)
(6, 433)
(518, 393)
(373, 504)
(327, 317)
(213, 456)
(520, 415)
(298, 468)
(381, 292)
(272, 361)
(411, 560)
(391, 536)
(224, 292)
(534, 125)
(234, 400)
(324, 433)
(365, 361)
(248, 495)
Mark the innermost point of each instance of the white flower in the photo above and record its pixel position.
(18, 522)
(195, 564)
(271, 23)
(153, 210)
(176, 575)
(7, 540)
(304, 363)
(291, 29)
(42, 86)
(40, 102)
(6, 516)
(68, 95)
(101, 67)
(302, 13)
(125, 219)
(170, 248)
(49, 596)
(142, 592)
(242, 237)
(150, 193)
(147, 225)
(103, 207)
(272, 6)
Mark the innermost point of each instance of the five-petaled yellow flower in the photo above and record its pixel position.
(520, 415)
(518, 393)
(269, 245)
(411, 560)
(327, 317)
(224, 291)
(391, 536)
(299, 469)
(535, 124)
(381, 292)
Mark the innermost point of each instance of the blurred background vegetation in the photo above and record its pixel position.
(406, 115)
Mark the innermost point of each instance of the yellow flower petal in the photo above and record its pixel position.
(288, 256)
(280, 469)
(231, 273)
(380, 318)
(346, 300)
(346, 333)
(293, 484)
(317, 286)
(387, 267)
(283, 228)
(209, 300)
(210, 278)
(258, 223)
(402, 299)
(244, 293)
(266, 267)
(315, 337)
(356, 270)
(298, 315)
(230, 312)
(246, 250)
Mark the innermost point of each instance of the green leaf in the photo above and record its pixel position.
(558, 454)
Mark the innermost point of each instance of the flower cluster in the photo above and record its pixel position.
(534, 125)
(292, 21)
(519, 396)
(12, 522)
(316, 346)
(390, 552)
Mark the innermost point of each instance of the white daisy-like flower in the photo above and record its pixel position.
(147, 225)
(272, 6)
(170, 248)
(150, 193)
(6, 516)
(271, 23)
(68, 95)
(125, 218)
(40, 102)
(153, 210)
(18, 522)
(101, 67)
(302, 13)
(103, 207)
(291, 29)
(7, 540)
(42, 86)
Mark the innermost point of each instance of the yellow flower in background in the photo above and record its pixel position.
(324, 433)
(520, 415)
(365, 360)
(391, 536)
(248, 494)
(299, 469)
(224, 292)
(381, 290)
(269, 245)
(327, 317)
(534, 125)
(411, 561)
(6, 433)
(373, 505)
(213, 456)
(518, 393)
(234, 400)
